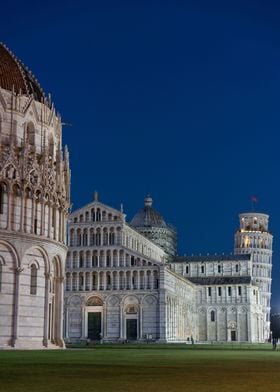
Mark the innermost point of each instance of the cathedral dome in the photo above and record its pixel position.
(148, 216)
(14, 76)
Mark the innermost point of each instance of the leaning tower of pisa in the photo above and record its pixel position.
(34, 201)
(254, 238)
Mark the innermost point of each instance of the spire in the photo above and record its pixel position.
(95, 196)
(148, 201)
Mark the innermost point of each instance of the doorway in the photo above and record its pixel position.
(233, 336)
(131, 329)
(94, 325)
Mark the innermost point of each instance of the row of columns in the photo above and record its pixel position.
(96, 215)
(177, 323)
(101, 258)
(95, 236)
(112, 280)
(33, 216)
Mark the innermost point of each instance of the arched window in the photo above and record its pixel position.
(212, 315)
(51, 145)
(236, 268)
(33, 279)
(187, 269)
(30, 134)
(81, 262)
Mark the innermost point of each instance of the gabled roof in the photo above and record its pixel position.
(95, 204)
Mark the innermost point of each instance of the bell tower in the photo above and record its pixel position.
(253, 237)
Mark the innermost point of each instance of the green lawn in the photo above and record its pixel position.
(142, 368)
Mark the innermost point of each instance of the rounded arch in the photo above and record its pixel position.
(2, 260)
(57, 266)
(44, 255)
(12, 250)
(130, 299)
(94, 300)
(34, 262)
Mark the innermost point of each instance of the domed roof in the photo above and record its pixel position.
(14, 76)
(148, 216)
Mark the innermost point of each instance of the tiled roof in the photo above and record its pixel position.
(203, 259)
(14, 76)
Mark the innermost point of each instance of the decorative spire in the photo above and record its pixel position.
(96, 196)
(148, 201)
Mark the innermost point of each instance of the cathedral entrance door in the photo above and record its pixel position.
(233, 336)
(94, 325)
(131, 329)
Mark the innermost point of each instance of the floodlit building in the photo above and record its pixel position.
(34, 200)
(125, 281)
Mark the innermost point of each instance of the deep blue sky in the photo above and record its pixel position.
(179, 99)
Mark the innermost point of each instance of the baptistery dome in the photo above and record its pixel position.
(14, 76)
(150, 223)
(34, 202)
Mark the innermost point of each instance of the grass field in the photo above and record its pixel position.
(142, 368)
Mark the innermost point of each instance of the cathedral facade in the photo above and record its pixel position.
(125, 282)
(34, 200)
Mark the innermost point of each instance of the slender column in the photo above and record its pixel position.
(46, 309)
(42, 230)
(104, 335)
(84, 281)
(83, 323)
(60, 311)
(152, 280)
(9, 209)
(77, 281)
(90, 281)
(49, 221)
(237, 325)
(118, 280)
(71, 282)
(121, 322)
(138, 280)
(17, 271)
(22, 213)
(140, 322)
(33, 214)
(218, 325)
(66, 322)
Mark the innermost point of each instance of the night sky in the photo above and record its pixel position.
(179, 99)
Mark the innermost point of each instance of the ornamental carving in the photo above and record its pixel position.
(34, 171)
